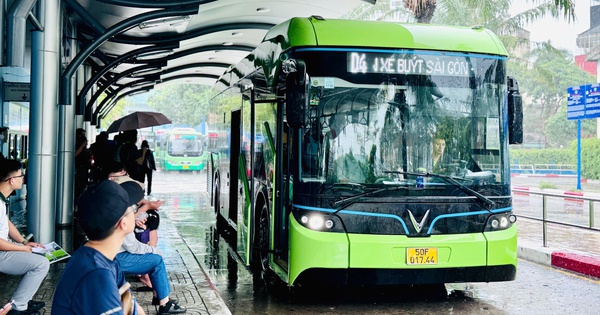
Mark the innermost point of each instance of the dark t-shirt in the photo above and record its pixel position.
(89, 285)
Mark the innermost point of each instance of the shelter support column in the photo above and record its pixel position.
(66, 165)
(42, 167)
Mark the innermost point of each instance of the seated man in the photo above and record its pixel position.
(90, 282)
(139, 258)
(118, 174)
(17, 258)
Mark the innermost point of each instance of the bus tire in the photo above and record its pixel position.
(220, 221)
(260, 248)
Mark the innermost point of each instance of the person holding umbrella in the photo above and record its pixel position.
(129, 155)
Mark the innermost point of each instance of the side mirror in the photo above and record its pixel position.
(296, 93)
(515, 112)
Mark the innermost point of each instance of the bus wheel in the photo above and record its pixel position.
(260, 261)
(217, 201)
(220, 222)
(262, 240)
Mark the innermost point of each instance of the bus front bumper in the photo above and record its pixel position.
(366, 259)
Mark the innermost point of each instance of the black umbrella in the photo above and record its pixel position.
(138, 120)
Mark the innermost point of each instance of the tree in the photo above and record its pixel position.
(560, 132)
(490, 13)
(115, 113)
(183, 103)
(424, 10)
(543, 83)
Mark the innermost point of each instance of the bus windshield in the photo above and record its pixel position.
(370, 128)
(188, 145)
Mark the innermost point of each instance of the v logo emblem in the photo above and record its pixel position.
(418, 225)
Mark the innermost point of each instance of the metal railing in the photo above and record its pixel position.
(561, 169)
(567, 197)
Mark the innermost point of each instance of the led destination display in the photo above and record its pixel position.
(366, 62)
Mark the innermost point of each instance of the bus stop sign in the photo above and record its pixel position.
(576, 102)
(18, 92)
(583, 102)
(592, 101)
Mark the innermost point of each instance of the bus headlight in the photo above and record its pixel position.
(498, 222)
(318, 221)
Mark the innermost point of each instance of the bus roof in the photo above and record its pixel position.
(318, 32)
(315, 31)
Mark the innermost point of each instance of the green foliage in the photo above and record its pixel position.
(182, 103)
(115, 113)
(560, 131)
(547, 185)
(590, 158)
(543, 84)
(542, 156)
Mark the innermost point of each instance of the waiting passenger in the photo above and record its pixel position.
(16, 257)
(138, 258)
(118, 174)
(90, 282)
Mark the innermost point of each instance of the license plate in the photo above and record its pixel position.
(422, 256)
(185, 167)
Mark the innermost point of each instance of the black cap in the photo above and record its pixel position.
(134, 190)
(100, 207)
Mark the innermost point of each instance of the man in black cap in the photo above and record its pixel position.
(135, 257)
(90, 282)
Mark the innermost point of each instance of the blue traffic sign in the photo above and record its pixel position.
(592, 101)
(576, 102)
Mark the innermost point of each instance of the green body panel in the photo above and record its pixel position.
(386, 251)
(348, 251)
(310, 249)
(502, 246)
(244, 224)
(174, 164)
(311, 32)
(303, 32)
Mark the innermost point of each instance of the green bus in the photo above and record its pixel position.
(180, 149)
(325, 171)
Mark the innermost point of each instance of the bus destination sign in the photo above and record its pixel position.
(366, 62)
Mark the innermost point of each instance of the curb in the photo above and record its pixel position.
(586, 265)
(581, 264)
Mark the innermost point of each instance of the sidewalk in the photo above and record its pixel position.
(569, 248)
(189, 284)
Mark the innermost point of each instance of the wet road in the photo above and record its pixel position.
(537, 290)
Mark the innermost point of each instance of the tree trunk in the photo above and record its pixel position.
(422, 9)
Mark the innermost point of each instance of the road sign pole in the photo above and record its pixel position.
(578, 154)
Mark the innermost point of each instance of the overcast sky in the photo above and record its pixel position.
(561, 33)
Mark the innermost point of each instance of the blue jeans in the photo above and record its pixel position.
(151, 264)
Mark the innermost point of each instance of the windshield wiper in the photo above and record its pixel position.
(349, 185)
(348, 200)
(488, 203)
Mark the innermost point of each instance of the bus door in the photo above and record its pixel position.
(283, 201)
(245, 182)
(234, 169)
